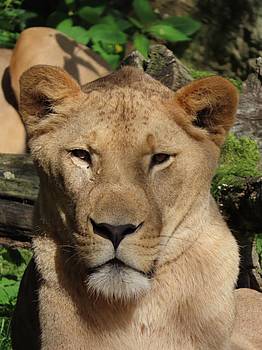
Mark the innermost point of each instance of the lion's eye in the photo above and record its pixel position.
(159, 158)
(82, 154)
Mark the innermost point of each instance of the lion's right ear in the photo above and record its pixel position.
(210, 104)
(43, 88)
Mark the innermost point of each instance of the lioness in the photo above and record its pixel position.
(131, 251)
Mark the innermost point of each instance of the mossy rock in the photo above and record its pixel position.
(240, 159)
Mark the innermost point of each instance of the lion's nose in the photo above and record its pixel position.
(114, 233)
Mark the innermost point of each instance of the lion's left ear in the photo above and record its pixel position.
(210, 104)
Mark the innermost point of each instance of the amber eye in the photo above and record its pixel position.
(159, 158)
(82, 154)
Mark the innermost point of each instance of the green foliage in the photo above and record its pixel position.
(141, 44)
(104, 26)
(259, 249)
(184, 24)
(237, 82)
(13, 19)
(199, 74)
(78, 33)
(12, 265)
(239, 159)
(107, 31)
(144, 12)
(167, 32)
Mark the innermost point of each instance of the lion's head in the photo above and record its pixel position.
(121, 162)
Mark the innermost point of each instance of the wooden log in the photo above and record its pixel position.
(162, 65)
(18, 192)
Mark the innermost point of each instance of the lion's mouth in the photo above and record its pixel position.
(120, 265)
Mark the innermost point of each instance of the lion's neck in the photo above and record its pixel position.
(190, 305)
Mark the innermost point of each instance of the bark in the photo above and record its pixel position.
(162, 65)
(249, 115)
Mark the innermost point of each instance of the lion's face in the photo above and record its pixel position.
(120, 162)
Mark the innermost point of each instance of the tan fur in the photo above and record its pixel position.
(175, 290)
(12, 133)
(41, 45)
(35, 46)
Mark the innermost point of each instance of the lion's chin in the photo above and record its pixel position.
(118, 283)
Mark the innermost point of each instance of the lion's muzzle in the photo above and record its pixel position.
(114, 233)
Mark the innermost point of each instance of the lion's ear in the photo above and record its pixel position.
(210, 104)
(43, 88)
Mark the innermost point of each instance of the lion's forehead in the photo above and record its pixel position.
(124, 105)
(123, 116)
(143, 132)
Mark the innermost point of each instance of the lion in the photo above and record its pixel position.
(130, 250)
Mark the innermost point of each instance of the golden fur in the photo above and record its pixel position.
(174, 287)
(39, 46)
(12, 133)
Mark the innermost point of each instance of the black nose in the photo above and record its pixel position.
(114, 233)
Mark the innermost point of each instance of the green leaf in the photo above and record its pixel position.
(8, 290)
(26, 255)
(90, 14)
(110, 21)
(135, 22)
(4, 298)
(117, 23)
(107, 33)
(112, 59)
(144, 11)
(78, 33)
(123, 24)
(8, 39)
(166, 32)
(184, 24)
(141, 43)
(65, 25)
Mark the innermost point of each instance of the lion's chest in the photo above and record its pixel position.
(65, 326)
